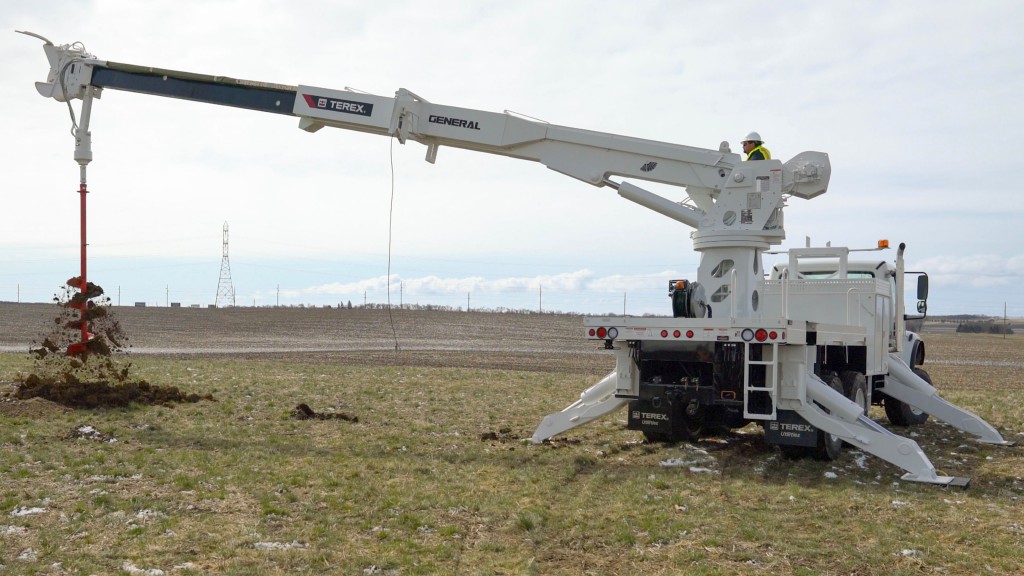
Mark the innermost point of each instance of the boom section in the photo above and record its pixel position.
(586, 155)
(260, 96)
(730, 202)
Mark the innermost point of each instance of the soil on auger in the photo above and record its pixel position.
(93, 374)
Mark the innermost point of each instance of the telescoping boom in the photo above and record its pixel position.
(804, 352)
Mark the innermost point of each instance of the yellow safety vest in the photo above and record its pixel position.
(767, 154)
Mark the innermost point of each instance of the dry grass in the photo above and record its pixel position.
(435, 478)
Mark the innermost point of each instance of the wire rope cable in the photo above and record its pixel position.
(391, 217)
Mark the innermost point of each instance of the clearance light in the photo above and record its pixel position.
(747, 334)
(883, 244)
(773, 334)
(689, 333)
(761, 335)
(677, 334)
(593, 332)
(664, 333)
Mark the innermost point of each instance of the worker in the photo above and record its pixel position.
(754, 148)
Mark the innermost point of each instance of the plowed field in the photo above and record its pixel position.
(538, 342)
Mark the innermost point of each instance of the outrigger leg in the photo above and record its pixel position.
(907, 387)
(594, 402)
(846, 419)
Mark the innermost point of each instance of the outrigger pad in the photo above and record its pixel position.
(960, 482)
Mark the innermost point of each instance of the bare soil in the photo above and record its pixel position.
(534, 342)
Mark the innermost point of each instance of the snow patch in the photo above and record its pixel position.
(910, 552)
(293, 545)
(28, 555)
(89, 432)
(26, 511)
(700, 470)
(674, 462)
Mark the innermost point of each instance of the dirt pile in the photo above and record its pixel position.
(304, 412)
(90, 372)
(102, 394)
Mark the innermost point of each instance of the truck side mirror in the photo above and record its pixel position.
(922, 307)
(922, 288)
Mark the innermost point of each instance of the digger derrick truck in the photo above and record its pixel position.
(805, 351)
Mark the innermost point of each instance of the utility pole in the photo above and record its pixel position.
(467, 301)
(540, 299)
(278, 303)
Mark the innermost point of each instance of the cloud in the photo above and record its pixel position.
(909, 103)
(977, 271)
(582, 280)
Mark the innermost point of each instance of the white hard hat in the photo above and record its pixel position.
(753, 137)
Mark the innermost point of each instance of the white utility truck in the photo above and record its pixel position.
(805, 353)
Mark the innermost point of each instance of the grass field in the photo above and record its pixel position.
(436, 476)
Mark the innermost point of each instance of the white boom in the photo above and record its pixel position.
(739, 348)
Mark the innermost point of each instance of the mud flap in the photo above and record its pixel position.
(790, 429)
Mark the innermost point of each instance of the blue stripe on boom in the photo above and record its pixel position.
(251, 97)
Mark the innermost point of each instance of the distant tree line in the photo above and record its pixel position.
(983, 327)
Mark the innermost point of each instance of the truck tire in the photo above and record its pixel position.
(855, 387)
(829, 446)
(693, 424)
(903, 414)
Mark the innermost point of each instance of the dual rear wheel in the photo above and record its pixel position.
(853, 386)
(903, 414)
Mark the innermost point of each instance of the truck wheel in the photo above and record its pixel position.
(855, 386)
(829, 446)
(692, 423)
(903, 414)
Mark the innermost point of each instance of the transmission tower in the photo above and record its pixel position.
(225, 291)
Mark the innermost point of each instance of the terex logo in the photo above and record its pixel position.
(791, 427)
(338, 105)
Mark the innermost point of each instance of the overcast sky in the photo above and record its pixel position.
(916, 103)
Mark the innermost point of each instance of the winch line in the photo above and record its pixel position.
(391, 213)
